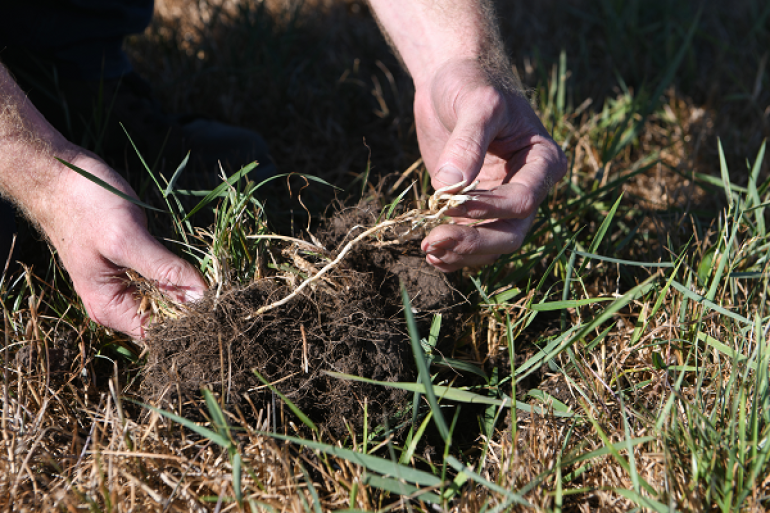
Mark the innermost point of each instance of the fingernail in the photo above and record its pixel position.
(192, 295)
(433, 260)
(440, 245)
(436, 253)
(449, 175)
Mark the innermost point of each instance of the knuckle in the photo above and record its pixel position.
(526, 204)
(469, 243)
(170, 274)
(463, 145)
(561, 164)
(113, 245)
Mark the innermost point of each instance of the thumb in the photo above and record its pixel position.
(465, 150)
(175, 277)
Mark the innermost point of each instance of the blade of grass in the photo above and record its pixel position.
(725, 174)
(616, 454)
(216, 413)
(624, 262)
(381, 466)
(311, 488)
(104, 185)
(192, 426)
(422, 366)
(508, 494)
(214, 193)
(570, 303)
(754, 192)
(406, 456)
(394, 486)
(293, 407)
(450, 394)
(708, 304)
(176, 175)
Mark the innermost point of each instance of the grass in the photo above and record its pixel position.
(619, 361)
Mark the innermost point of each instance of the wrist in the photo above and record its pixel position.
(429, 36)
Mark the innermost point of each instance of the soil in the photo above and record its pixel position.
(354, 325)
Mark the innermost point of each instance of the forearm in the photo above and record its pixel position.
(29, 174)
(428, 34)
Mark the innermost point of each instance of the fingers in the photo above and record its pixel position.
(463, 154)
(108, 296)
(175, 277)
(452, 246)
(110, 302)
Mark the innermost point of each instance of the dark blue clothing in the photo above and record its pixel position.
(77, 39)
(83, 38)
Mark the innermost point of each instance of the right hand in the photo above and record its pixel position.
(99, 235)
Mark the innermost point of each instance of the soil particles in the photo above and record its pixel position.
(352, 323)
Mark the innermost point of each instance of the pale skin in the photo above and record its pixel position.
(472, 124)
(97, 234)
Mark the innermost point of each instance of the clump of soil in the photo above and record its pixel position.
(354, 325)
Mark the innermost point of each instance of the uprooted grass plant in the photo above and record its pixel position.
(620, 360)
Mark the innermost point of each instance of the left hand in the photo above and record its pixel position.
(469, 129)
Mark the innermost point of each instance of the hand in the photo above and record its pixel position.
(99, 235)
(471, 130)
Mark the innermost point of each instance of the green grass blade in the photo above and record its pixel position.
(604, 451)
(219, 189)
(192, 426)
(725, 174)
(141, 158)
(548, 399)
(216, 413)
(726, 350)
(599, 237)
(642, 501)
(394, 204)
(237, 462)
(755, 275)
(406, 456)
(754, 191)
(293, 407)
(394, 486)
(444, 392)
(422, 366)
(570, 303)
(176, 175)
(460, 365)
(379, 465)
(435, 329)
(549, 351)
(629, 448)
(616, 454)
(452, 394)
(104, 185)
(312, 490)
(624, 262)
(717, 182)
(508, 494)
(708, 304)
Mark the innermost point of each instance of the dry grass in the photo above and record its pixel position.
(73, 441)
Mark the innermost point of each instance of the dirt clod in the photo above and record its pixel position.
(353, 323)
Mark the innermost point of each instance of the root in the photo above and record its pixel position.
(441, 201)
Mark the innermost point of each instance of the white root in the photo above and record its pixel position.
(441, 201)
